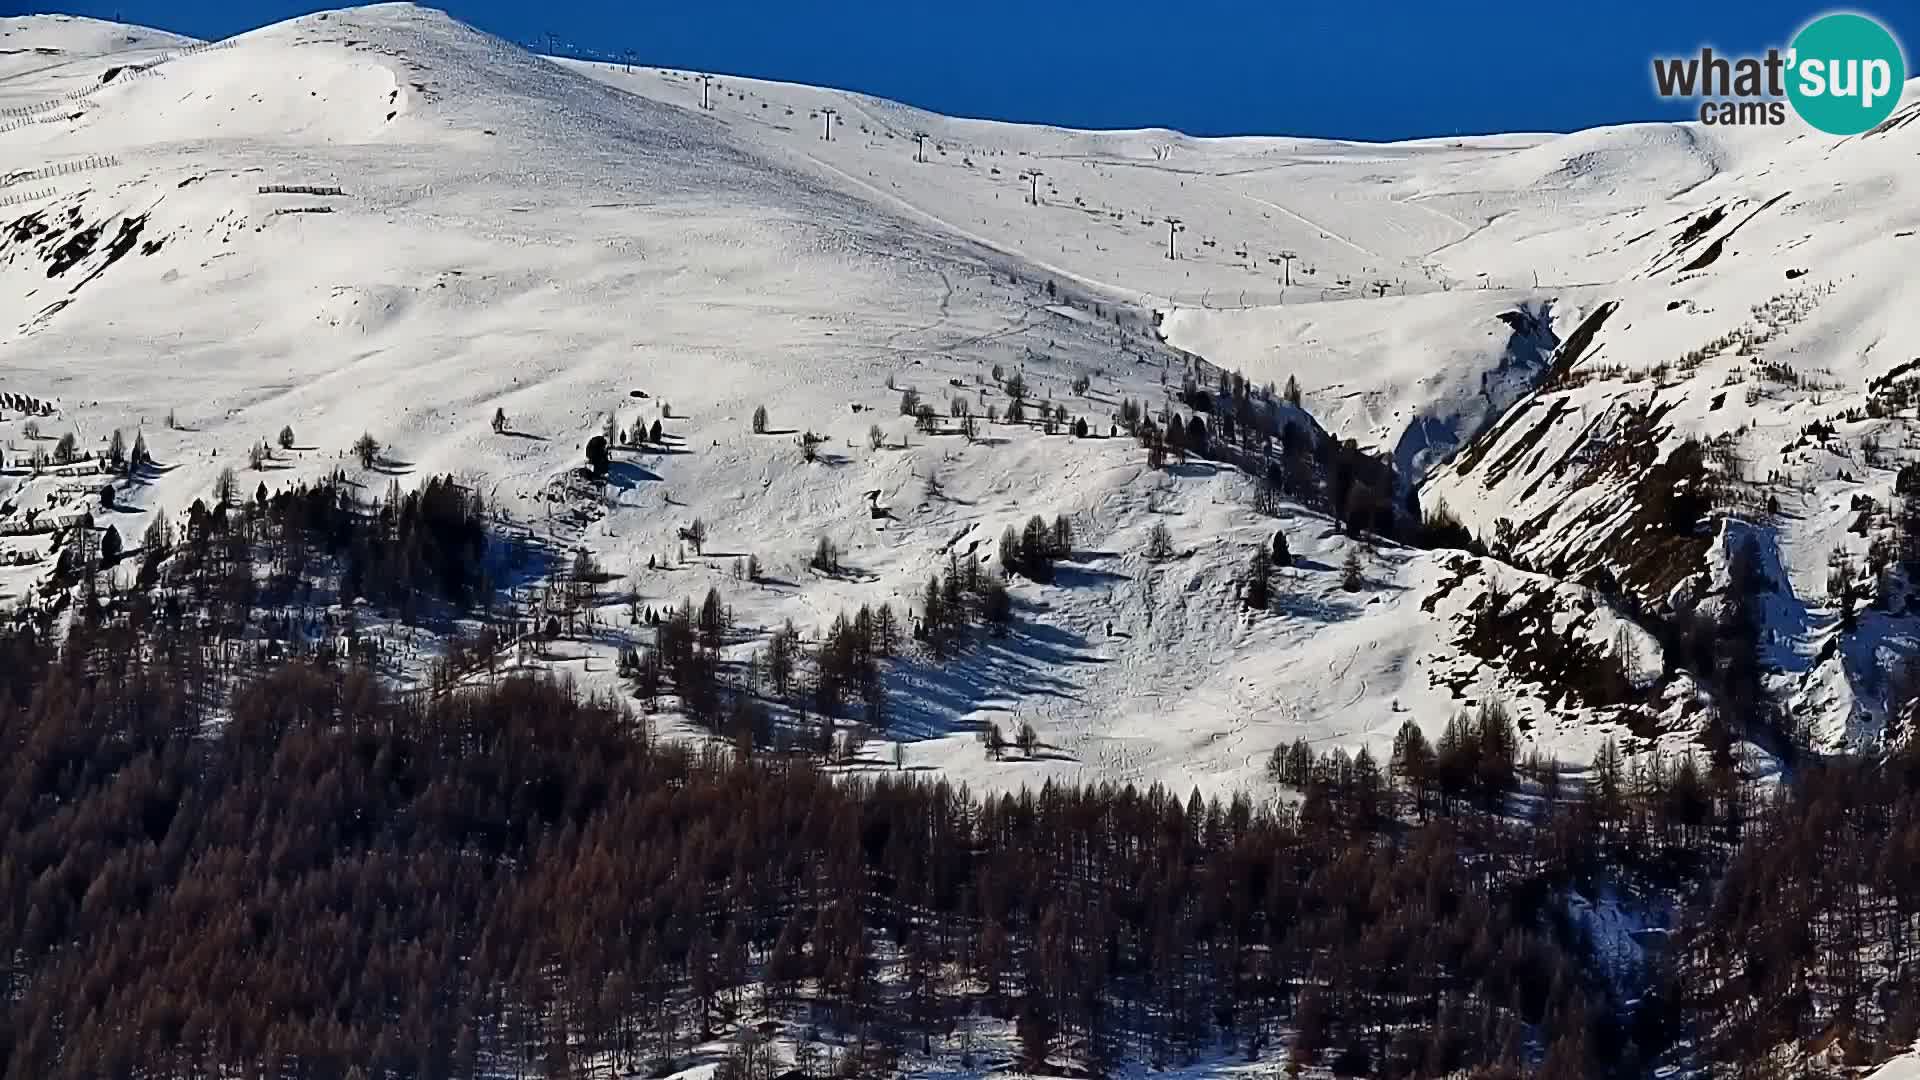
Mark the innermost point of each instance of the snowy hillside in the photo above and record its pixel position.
(1413, 376)
(1904, 1067)
(42, 51)
(1754, 359)
(378, 220)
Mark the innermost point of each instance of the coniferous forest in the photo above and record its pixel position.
(227, 858)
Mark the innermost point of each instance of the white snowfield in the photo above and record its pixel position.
(1904, 1067)
(564, 240)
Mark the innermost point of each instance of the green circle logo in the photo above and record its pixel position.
(1847, 74)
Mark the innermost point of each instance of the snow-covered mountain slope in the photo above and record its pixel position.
(42, 52)
(1766, 317)
(1412, 376)
(1104, 197)
(1473, 231)
(473, 228)
(1636, 245)
(1261, 222)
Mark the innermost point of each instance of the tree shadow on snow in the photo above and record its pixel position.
(1313, 608)
(1193, 468)
(985, 674)
(627, 475)
(1069, 576)
(149, 471)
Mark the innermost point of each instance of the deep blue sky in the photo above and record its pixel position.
(1365, 69)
